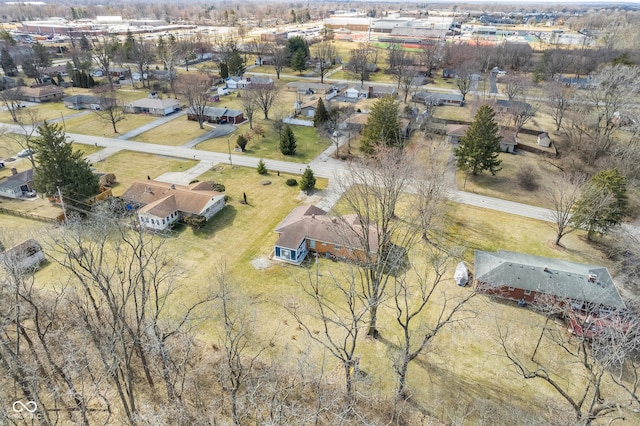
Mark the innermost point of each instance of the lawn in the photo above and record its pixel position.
(173, 133)
(131, 166)
(460, 365)
(309, 144)
(505, 183)
(92, 124)
(42, 112)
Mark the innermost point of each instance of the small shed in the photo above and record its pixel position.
(544, 140)
(26, 256)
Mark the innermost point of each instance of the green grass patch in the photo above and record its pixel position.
(309, 144)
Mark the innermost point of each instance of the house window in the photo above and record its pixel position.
(312, 244)
(527, 292)
(163, 221)
(337, 247)
(511, 288)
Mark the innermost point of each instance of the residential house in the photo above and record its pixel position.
(552, 284)
(221, 115)
(504, 106)
(160, 204)
(159, 107)
(311, 88)
(86, 102)
(544, 140)
(235, 82)
(437, 98)
(37, 93)
(448, 73)
(18, 185)
(308, 229)
(23, 257)
(508, 141)
(119, 72)
(355, 93)
(308, 109)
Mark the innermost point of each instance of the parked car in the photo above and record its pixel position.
(24, 153)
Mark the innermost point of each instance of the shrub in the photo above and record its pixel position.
(527, 178)
(242, 142)
(217, 186)
(291, 182)
(262, 168)
(195, 221)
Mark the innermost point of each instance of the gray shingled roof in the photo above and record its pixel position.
(546, 275)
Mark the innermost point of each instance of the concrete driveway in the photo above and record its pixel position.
(219, 131)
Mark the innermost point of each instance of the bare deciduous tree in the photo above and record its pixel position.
(360, 61)
(280, 57)
(324, 53)
(195, 90)
(600, 355)
(105, 50)
(372, 190)
(340, 310)
(111, 110)
(265, 96)
(563, 194)
(560, 98)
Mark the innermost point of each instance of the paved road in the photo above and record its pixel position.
(323, 166)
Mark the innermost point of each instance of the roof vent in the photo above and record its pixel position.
(173, 186)
(545, 268)
(313, 216)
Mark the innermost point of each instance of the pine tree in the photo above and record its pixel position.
(480, 146)
(603, 204)
(322, 115)
(58, 165)
(8, 64)
(262, 167)
(299, 61)
(288, 141)
(308, 180)
(383, 126)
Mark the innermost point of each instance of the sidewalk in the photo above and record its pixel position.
(183, 178)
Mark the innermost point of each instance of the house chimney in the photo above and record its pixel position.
(14, 171)
(592, 278)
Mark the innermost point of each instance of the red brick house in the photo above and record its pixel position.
(553, 284)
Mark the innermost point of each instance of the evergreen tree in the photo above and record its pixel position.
(58, 165)
(8, 64)
(235, 62)
(308, 180)
(262, 167)
(480, 146)
(242, 142)
(224, 70)
(603, 204)
(288, 141)
(322, 115)
(383, 126)
(299, 61)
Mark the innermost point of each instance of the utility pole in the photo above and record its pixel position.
(64, 211)
(229, 148)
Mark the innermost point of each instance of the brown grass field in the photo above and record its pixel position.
(133, 166)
